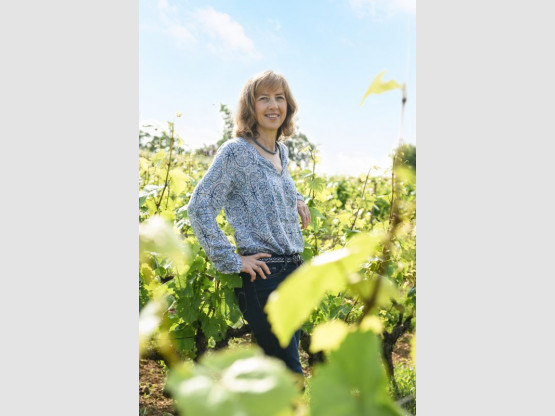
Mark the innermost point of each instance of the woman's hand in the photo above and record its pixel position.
(304, 212)
(251, 265)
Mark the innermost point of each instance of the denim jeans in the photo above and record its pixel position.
(252, 298)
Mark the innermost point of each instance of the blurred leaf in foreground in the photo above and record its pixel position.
(157, 235)
(241, 382)
(329, 335)
(293, 301)
(378, 86)
(150, 319)
(353, 381)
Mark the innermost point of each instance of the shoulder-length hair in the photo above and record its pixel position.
(245, 119)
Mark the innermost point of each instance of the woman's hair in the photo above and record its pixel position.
(245, 119)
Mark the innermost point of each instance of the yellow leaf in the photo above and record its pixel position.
(372, 323)
(328, 336)
(378, 86)
(179, 180)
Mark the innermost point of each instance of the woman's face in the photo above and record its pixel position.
(270, 108)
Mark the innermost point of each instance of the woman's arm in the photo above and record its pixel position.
(205, 204)
(304, 213)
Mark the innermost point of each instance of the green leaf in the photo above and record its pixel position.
(364, 287)
(231, 303)
(353, 381)
(316, 184)
(378, 86)
(188, 307)
(147, 191)
(413, 349)
(293, 301)
(314, 213)
(184, 337)
(230, 280)
(157, 235)
(241, 382)
(328, 336)
(213, 326)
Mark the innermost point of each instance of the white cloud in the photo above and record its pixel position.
(228, 35)
(163, 4)
(207, 28)
(181, 35)
(172, 26)
(378, 9)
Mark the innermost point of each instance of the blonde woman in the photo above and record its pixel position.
(249, 179)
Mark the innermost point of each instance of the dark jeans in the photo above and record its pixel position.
(252, 297)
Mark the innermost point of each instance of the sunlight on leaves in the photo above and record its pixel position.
(364, 287)
(157, 235)
(293, 301)
(371, 323)
(179, 180)
(328, 336)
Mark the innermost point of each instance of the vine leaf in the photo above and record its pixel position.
(328, 336)
(240, 382)
(378, 86)
(293, 301)
(353, 381)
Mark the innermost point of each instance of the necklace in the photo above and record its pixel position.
(263, 148)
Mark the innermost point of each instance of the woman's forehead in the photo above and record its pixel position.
(269, 85)
(278, 89)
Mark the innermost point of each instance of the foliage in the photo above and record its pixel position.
(228, 124)
(235, 383)
(360, 276)
(407, 153)
(352, 381)
(405, 376)
(299, 148)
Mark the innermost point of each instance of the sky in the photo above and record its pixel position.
(195, 55)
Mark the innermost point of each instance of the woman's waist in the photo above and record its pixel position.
(278, 258)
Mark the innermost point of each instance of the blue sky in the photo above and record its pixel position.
(194, 55)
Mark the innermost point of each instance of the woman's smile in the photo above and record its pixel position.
(270, 108)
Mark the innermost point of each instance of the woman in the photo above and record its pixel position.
(249, 179)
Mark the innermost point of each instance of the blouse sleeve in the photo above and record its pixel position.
(206, 202)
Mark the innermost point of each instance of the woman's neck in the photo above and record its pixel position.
(268, 139)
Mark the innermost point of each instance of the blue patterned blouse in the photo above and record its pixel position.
(259, 203)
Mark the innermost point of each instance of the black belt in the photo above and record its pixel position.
(293, 258)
